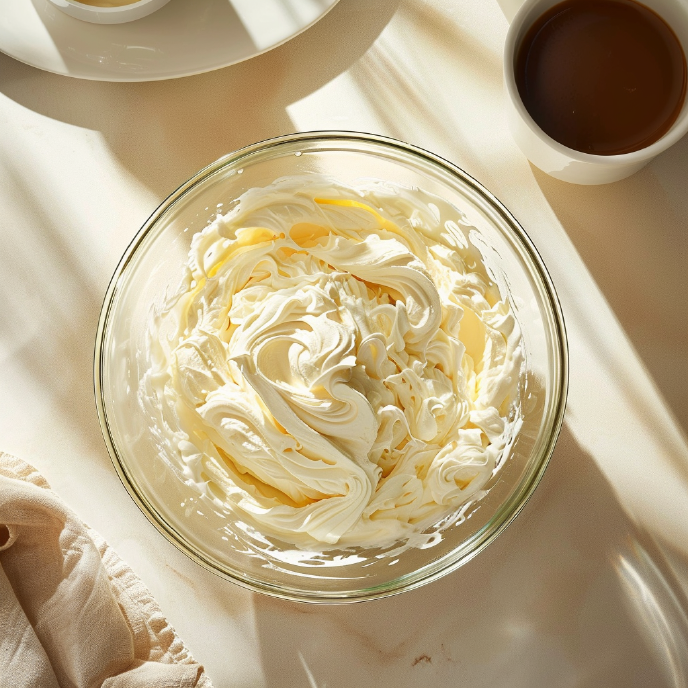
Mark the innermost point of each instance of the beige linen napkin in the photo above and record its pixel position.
(72, 613)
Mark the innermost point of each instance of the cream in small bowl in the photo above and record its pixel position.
(109, 11)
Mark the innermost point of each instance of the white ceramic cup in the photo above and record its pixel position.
(554, 158)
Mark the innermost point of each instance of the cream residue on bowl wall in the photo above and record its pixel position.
(336, 367)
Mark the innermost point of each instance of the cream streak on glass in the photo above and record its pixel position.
(336, 368)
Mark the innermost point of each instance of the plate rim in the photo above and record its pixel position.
(180, 75)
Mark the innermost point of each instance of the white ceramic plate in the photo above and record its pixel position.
(184, 37)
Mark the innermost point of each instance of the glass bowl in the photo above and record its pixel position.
(154, 261)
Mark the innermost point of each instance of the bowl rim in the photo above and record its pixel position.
(431, 571)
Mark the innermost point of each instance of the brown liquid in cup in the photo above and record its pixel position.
(602, 76)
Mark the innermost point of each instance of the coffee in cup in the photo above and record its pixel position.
(597, 88)
(604, 77)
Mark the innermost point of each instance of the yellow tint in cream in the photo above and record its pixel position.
(336, 366)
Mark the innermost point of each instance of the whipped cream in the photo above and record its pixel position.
(336, 367)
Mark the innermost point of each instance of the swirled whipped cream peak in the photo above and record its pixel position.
(336, 367)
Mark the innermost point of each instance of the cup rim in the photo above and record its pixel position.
(677, 131)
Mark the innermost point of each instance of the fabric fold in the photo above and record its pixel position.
(72, 613)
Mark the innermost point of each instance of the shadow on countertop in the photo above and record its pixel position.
(633, 237)
(164, 131)
(571, 595)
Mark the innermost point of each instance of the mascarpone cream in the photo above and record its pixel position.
(337, 367)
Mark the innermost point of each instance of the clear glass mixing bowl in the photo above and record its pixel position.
(154, 261)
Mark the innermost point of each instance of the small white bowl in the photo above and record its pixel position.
(109, 15)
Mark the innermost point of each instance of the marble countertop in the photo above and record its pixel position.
(589, 586)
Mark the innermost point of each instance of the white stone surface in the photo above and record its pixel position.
(589, 586)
